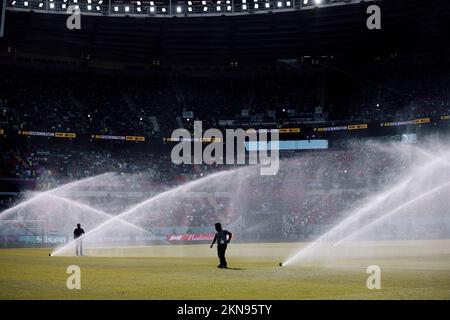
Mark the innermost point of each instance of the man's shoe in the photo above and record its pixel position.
(220, 266)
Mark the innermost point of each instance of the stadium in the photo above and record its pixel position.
(314, 131)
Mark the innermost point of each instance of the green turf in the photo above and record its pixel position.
(32, 274)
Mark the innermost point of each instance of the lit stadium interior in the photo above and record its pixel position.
(314, 131)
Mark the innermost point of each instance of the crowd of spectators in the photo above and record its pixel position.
(313, 188)
(117, 103)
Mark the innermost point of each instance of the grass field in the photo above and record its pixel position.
(189, 272)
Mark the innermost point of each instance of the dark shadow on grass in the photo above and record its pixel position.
(235, 269)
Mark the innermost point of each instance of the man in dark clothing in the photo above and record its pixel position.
(223, 237)
(77, 233)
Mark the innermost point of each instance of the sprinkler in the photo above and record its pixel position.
(280, 264)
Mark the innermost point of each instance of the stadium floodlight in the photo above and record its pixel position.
(64, 6)
(256, 6)
(317, 1)
(65, 1)
(244, 7)
(75, 1)
(127, 9)
(100, 2)
(244, 1)
(152, 9)
(189, 9)
(288, 3)
(204, 2)
(205, 9)
(116, 8)
(279, 4)
(97, 8)
(179, 9)
(189, 3)
(228, 8)
(88, 1)
(138, 9)
(138, 3)
(218, 8)
(305, 2)
(52, 5)
(13, 3)
(25, 3)
(41, 4)
(267, 5)
(164, 10)
(89, 7)
(152, 3)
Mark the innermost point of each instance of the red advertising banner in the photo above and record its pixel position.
(190, 237)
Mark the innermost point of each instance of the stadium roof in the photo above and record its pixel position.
(408, 27)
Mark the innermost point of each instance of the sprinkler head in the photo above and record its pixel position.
(280, 264)
(49, 254)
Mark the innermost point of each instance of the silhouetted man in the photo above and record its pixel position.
(223, 237)
(77, 233)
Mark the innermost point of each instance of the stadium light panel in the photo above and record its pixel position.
(190, 3)
(317, 1)
(244, 1)
(116, 8)
(205, 9)
(13, 3)
(41, 4)
(218, 8)
(279, 4)
(138, 9)
(228, 8)
(127, 9)
(100, 2)
(138, 3)
(189, 9)
(288, 3)
(97, 8)
(267, 5)
(164, 10)
(25, 3)
(64, 6)
(152, 9)
(244, 7)
(305, 2)
(75, 1)
(88, 1)
(179, 9)
(152, 3)
(256, 6)
(89, 7)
